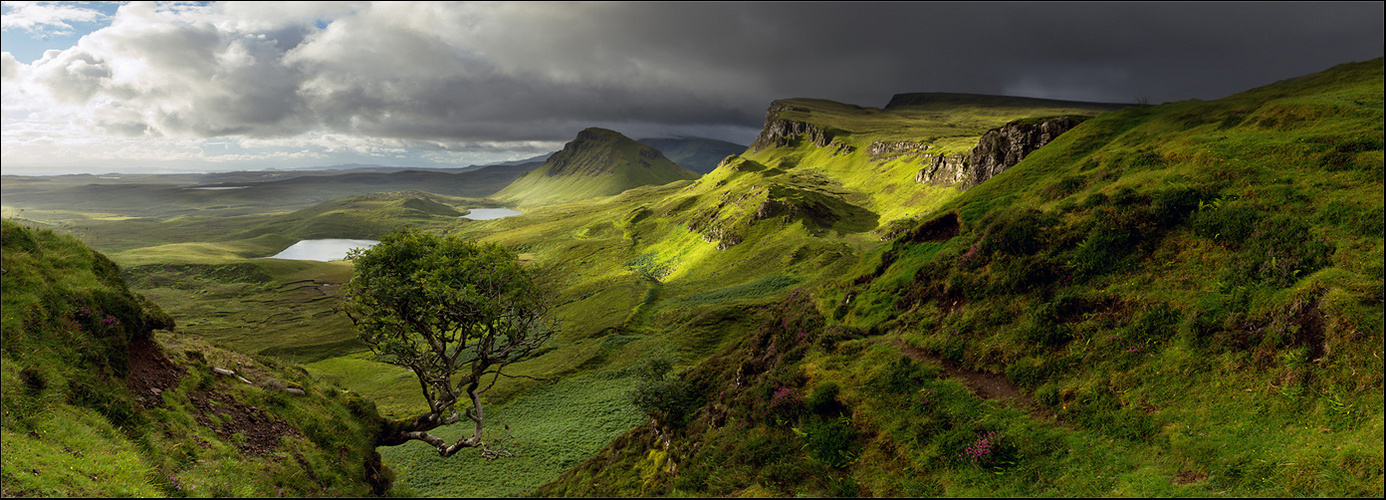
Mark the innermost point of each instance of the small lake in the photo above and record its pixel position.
(218, 188)
(322, 250)
(490, 213)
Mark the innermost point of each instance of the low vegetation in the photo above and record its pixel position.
(101, 397)
(1115, 315)
(1183, 299)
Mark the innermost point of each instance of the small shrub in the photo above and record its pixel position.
(1125, 197)
(902, 375)
(830, 441)
(1046, 334)
(787, 403)
(1171, 206)
(1064, 187)
(1047, 394)
(1155, 325)
(824, 401)
(1028, 372)
(1093, 201)
(1107, 246)
(33, 380)
(1279, 253)
(1018, 232)
(1231, 224)
(670, 400)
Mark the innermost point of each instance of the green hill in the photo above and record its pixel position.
(102, 398)
(597, 163)
(1183, 299)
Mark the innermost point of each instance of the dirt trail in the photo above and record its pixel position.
(984, 385)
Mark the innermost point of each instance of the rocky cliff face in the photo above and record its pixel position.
(1002, 148)
(779, 132)
(944, 170)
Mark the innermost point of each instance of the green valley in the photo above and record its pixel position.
(953, 295)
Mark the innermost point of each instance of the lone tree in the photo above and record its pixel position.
(452, 311)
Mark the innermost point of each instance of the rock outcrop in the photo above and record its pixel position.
(997, 150)
(890, 150)
(779, 132)
(1002, 148)
(945, 170)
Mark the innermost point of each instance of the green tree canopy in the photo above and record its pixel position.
(455, 313)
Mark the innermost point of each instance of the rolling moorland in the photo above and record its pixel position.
(952, 295)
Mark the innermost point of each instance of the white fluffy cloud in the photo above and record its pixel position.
(46, 18)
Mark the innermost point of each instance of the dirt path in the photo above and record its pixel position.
(984, 385)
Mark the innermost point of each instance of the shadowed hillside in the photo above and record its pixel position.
(102, 398)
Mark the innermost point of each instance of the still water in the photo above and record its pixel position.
(490, 213)
(323, 250)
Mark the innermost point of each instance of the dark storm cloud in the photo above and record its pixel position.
(539, 71)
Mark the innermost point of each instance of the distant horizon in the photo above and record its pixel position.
(112, 87)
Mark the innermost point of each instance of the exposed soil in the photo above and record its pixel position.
(151, 372)
(984, 385)
(1188, 477)
(259, 432)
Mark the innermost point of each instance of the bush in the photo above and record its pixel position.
(1046, 334)
(1108, 244)
(830, 441)
(1064, 187)
(1047, 394)
(824, 401)
(1231, 224)
(1027, 372)
(903, 375)
(786, 403)
(1018, 232)
(1171, 206)
(668, 399)
(1278, 253)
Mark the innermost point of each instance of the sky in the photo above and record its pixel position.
(158, 87)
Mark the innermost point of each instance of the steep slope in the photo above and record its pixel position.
(98, 403)
(598, 162)
(1176, 300)
(697, 154)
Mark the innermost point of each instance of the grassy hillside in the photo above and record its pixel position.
(102, 398)
(675, 272)
(1175, 300)
(597, 163)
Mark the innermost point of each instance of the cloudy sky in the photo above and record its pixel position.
(159, 87)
